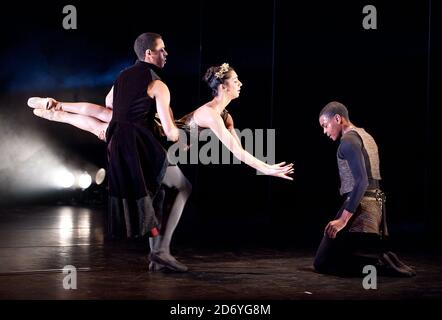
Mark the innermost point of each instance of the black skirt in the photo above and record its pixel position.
(137, 165)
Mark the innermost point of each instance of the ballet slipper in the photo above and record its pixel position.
(38, 112)
(44, 103)
(46, 114)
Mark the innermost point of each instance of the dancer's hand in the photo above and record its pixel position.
(280, 170)
(333, 227)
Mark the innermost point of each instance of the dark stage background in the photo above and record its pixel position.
(292, 58)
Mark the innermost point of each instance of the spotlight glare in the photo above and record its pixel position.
(84, 180)
(64, 179)
(99, 177)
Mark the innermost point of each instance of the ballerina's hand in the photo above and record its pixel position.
(280, 170)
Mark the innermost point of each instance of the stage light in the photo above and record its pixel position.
(84, 180)
(100, 175)
(63, 178)
(40, 169)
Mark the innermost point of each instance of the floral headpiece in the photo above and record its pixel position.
(223, 69)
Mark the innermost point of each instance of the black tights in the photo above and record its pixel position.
(347, 254)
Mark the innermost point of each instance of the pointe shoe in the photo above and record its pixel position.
(43, 103)
(167, 261)
(46, 114)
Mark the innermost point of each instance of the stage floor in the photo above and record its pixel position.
(36, 243)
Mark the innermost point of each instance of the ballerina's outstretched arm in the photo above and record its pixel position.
(208, 118)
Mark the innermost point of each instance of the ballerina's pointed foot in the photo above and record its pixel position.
(46, 114)
(42, 103)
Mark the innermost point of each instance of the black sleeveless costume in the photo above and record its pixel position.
(137, 160)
